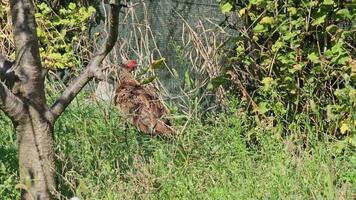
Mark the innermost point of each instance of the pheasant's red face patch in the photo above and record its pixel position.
(131, 65)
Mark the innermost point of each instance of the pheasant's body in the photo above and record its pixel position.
(141, 106)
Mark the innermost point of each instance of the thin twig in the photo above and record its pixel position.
(92, 70)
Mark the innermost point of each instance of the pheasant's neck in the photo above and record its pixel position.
(125, 77)
(124, 72)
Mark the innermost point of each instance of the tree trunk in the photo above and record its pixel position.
(23, 99)
(36, 157)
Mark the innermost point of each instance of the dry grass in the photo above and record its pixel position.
(7, 44)
(197, 52)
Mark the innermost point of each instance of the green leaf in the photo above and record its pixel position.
(312, 3)
(210, 86)
(344, 128)
(91, 10)
(72, 6)
(292, 10)
(226, 8)
(54, 56)
(319, 20)
(342, 60)
(263, 107)
(243, 11)
(267, 20)
(344, 13)
(276, 46)
(257, 2)
(187, 80)
(259, 28)
(313, 58)
(290, 35)
(156, 64)
(313, 106)
(148, 80)
(267, 81)
(328, 2)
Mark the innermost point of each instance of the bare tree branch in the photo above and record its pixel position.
(92, 69)
(6, 75)
(10, 104)
(4, 65)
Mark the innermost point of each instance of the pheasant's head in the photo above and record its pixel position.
(130, 65)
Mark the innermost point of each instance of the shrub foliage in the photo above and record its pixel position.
(297, 58)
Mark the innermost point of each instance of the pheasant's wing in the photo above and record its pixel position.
(142, 106)
(152, 112)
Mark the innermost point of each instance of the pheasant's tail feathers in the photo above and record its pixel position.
(162, 128)
(153, 128)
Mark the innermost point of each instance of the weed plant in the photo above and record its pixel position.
(101, 157)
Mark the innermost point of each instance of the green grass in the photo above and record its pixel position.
(99, 157)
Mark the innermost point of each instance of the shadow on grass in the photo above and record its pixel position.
(8, 156)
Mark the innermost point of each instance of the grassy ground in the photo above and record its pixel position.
(99, 157)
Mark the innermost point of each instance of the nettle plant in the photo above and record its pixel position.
(301, 56)
(63, 34)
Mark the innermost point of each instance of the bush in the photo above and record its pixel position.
(63, 34)
(298, 59)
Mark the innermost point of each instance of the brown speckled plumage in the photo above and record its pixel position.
(141, 106)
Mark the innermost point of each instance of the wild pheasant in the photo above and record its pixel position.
(141, 105)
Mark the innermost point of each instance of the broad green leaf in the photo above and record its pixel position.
(337, 48)
(72, 6)
(240, 48)
(91, 10)
(328, 2)
(295, 68)
(54, 56)
(148, 80)
(312, 3)
(227, 7)
(344, 13)
(313, 106)
(319, 20)
(344, 128)
(277, 45)
(263, 107)
(313, 58)
(267, 20)
(158, 63)
(210, 86)
(258, 28)
(290, 35)
(292, 10)
(257, 2)
(267, 82)
(342, 60)
(242, 11)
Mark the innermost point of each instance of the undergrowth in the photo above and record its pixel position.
(290, 134)
(100, 157)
